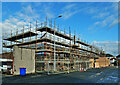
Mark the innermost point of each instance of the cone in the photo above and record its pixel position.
(80, 69)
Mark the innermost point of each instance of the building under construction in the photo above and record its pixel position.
(56, 51)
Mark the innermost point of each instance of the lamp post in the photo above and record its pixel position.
(54, 43)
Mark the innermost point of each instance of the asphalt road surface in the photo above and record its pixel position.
(99, 75)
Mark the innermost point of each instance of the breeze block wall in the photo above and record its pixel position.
(23, 58)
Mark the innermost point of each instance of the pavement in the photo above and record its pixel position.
(99, 75)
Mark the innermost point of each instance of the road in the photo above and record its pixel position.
(99, 75)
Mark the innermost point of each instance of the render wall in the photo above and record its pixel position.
(23, 58)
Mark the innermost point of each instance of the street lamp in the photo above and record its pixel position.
(54, 43)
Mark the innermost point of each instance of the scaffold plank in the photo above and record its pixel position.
(20, 36)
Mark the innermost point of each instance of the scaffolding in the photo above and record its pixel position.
(56, 51)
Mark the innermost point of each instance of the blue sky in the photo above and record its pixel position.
(96, 22)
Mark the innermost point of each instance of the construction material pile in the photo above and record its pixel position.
(91, 63)
(102, 62)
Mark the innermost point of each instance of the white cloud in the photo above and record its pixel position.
(113, 23)
(91, 10)
(96, 23)
(108, 46)
(104, 17)
(67, 7)
(106, 42)
(21, 18)
(107, 20)
(107, 16)
(48, 13)
(101, 15)
(70, 10)
(28, 9)
(68, 14)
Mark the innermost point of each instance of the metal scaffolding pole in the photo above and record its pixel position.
(54, 49)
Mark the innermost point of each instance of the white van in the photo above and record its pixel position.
(4, 67)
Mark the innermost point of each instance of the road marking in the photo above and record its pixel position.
(97, 73)
(35, 76)
(92, 76)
